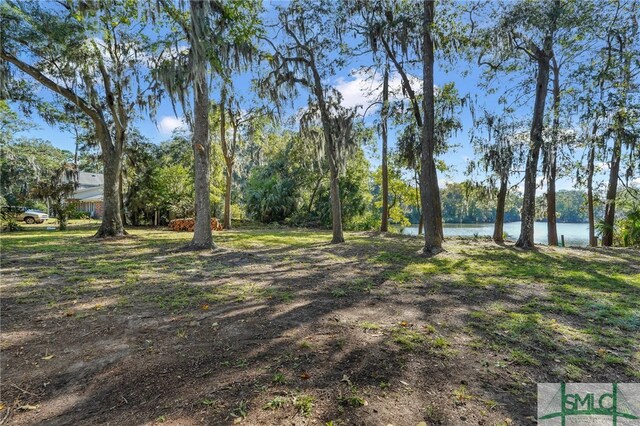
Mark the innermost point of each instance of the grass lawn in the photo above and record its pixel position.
(277, 326)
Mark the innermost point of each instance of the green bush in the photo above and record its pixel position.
(8, 219)
(365, 222)
(78, 215)
(237, 212)
(272, 193)
(628, 229)
(11, 225)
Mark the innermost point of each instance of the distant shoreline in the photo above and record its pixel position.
(491, 223)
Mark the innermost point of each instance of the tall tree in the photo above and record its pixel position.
(384, 130)
(622, 52)
(307, 57)
(573, 44)
(524, 35)
(551, 157)
(430, 192)
(387, 26)
(592, 123)
(242, 123)
(198, 35)
(390, 27)
(89, 54)
(219, 38)
(500, 152)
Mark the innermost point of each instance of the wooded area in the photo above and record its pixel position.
(109, 64)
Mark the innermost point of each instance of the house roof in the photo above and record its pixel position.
(86, 179)
(92, 194)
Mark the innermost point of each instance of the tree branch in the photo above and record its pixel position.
(50, 84)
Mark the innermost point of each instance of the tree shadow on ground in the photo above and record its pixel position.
(141, 331)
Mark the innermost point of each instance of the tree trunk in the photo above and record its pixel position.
(612, 191)
(438, 202)
(202, 238)
(313, 195)
(498, 229)
(590, 171)
(336, 207)
(384, 225)
(111, 225)
(417, 182)
(526, 239)
(430, 193)
(552, 155)
(552, 228)
(330, 142)
(619, 135)
(226, 223)
(123, 215)
(227, 197)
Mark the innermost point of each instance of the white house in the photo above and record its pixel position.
(89, 196)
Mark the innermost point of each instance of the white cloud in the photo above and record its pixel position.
(357, 91)
(601, 165)
(364, 88)
(168, 124)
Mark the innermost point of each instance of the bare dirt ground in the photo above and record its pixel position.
(277, 327)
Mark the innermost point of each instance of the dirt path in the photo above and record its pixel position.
(261, 332)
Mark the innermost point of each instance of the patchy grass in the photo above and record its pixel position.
(304, 404)
(266, 327)
(366, 325)
(276, 403)
(406, 338)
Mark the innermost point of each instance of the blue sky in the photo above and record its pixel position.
(353, 85)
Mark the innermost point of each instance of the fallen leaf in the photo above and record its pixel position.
(305, 376)
(48, 357)
(2, 406)
(204, 307)
(28, 407)
(237, 420)
(404, 324)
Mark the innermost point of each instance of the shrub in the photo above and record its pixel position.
(365, 222)
(272, 193)
(237, 212)
(79, 214)
(8, 219)
(11, 226)
(628, 229)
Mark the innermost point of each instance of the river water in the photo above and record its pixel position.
(575, 234)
